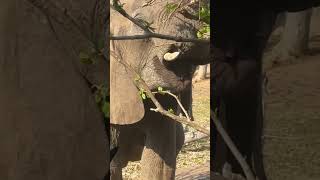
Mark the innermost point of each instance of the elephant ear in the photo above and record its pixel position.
(126, 106)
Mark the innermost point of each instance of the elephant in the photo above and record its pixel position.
(50, 125)
(139, 133)
(113, 153)
(236, 80)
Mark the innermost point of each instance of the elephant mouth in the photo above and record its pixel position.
(185, 84)
(182, 84)
(187, 55)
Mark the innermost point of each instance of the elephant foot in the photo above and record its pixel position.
(158, 174)
(156, 168)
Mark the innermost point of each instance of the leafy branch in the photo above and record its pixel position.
(95, 53)
(161, 91)
(102, 99)
(117, 6)
(141, 84)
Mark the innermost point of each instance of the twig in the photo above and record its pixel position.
(159, 36)
(195, 136)
(181, 120)
(126, 15)
(148, 33)
(244, 165)
(178, 101)
(175, 9)
(140, 83)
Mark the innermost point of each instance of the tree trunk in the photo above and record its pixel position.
(295, 37)
(50, 124)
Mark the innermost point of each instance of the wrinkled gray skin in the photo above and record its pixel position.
(50, 125)
(144, 134)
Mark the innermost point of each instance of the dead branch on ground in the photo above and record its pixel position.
(242, 161)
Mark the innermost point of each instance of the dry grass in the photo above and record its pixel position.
(195, 153)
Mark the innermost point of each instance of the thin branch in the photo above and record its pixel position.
(178, 101)
(191, 137)
(159, 36)
(141, 84)
(181, 120)
(175, 9)
(244, 165)
(126, 15)
(148, 33)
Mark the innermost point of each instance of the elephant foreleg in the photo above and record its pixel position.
(159, 154)
(116, 166)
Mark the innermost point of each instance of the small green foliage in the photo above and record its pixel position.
(170, 110)
(117, 5)
(106, 109)
(137, 78)
(102, 99)
(85, 58)
(83, 55)
(204, 16)
(146, 24)
(143, 94)
(204, 32)
(171, 7)
(89, 56)
(160, 90)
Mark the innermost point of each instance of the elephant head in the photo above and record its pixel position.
(159, 62)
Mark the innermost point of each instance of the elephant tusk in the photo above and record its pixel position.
(171, 56)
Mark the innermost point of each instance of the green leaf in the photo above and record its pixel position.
(171, 7)
(204, 32)
(85, 58)
(143, 95)
(160, 89)
(86, 61)
(84, 55)
(117, 5)
(204, 14)
(170, 110)
(137, 78)
(106, 109)
(98, 98)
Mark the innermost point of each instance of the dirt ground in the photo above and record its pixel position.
(195, 153)
(292, 126)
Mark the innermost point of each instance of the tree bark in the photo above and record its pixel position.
(295, 37)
